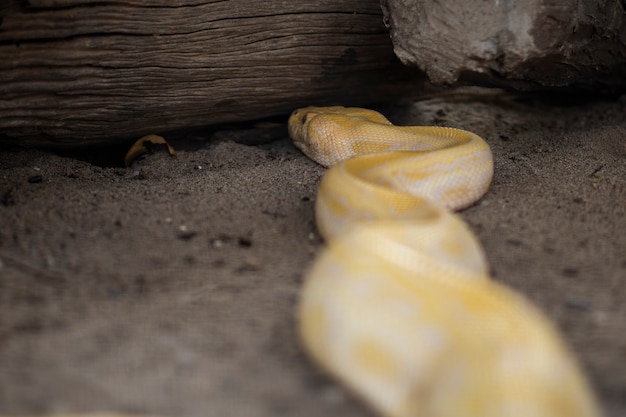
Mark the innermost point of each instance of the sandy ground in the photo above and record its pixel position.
(169, 287)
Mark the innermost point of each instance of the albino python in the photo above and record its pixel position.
(399, 306)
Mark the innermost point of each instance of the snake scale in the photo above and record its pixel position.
(399, 306)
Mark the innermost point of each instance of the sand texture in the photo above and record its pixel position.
(170, 287)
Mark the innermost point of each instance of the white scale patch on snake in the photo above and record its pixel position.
(436, 189)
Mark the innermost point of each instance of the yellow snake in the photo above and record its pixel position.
(399, 306)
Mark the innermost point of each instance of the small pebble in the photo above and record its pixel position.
(569, 272)
(578, 304)
(35, 179)
(249, 264)
(244, 242)
(7, 198)
(187, 235)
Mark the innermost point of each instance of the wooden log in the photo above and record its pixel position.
(527, 44)
(75, 72)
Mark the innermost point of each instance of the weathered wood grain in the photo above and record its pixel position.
(83, 72)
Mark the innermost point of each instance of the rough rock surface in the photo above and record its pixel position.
(522, 44)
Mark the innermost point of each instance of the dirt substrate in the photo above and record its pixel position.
(170, 287)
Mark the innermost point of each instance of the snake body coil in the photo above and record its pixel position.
(399, 306)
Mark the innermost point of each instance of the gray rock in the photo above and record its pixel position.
(523, 44)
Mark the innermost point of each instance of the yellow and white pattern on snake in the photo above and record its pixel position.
(399, 305)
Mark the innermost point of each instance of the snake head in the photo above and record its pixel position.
(296, 126)
(302, 131)
(315, 131)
